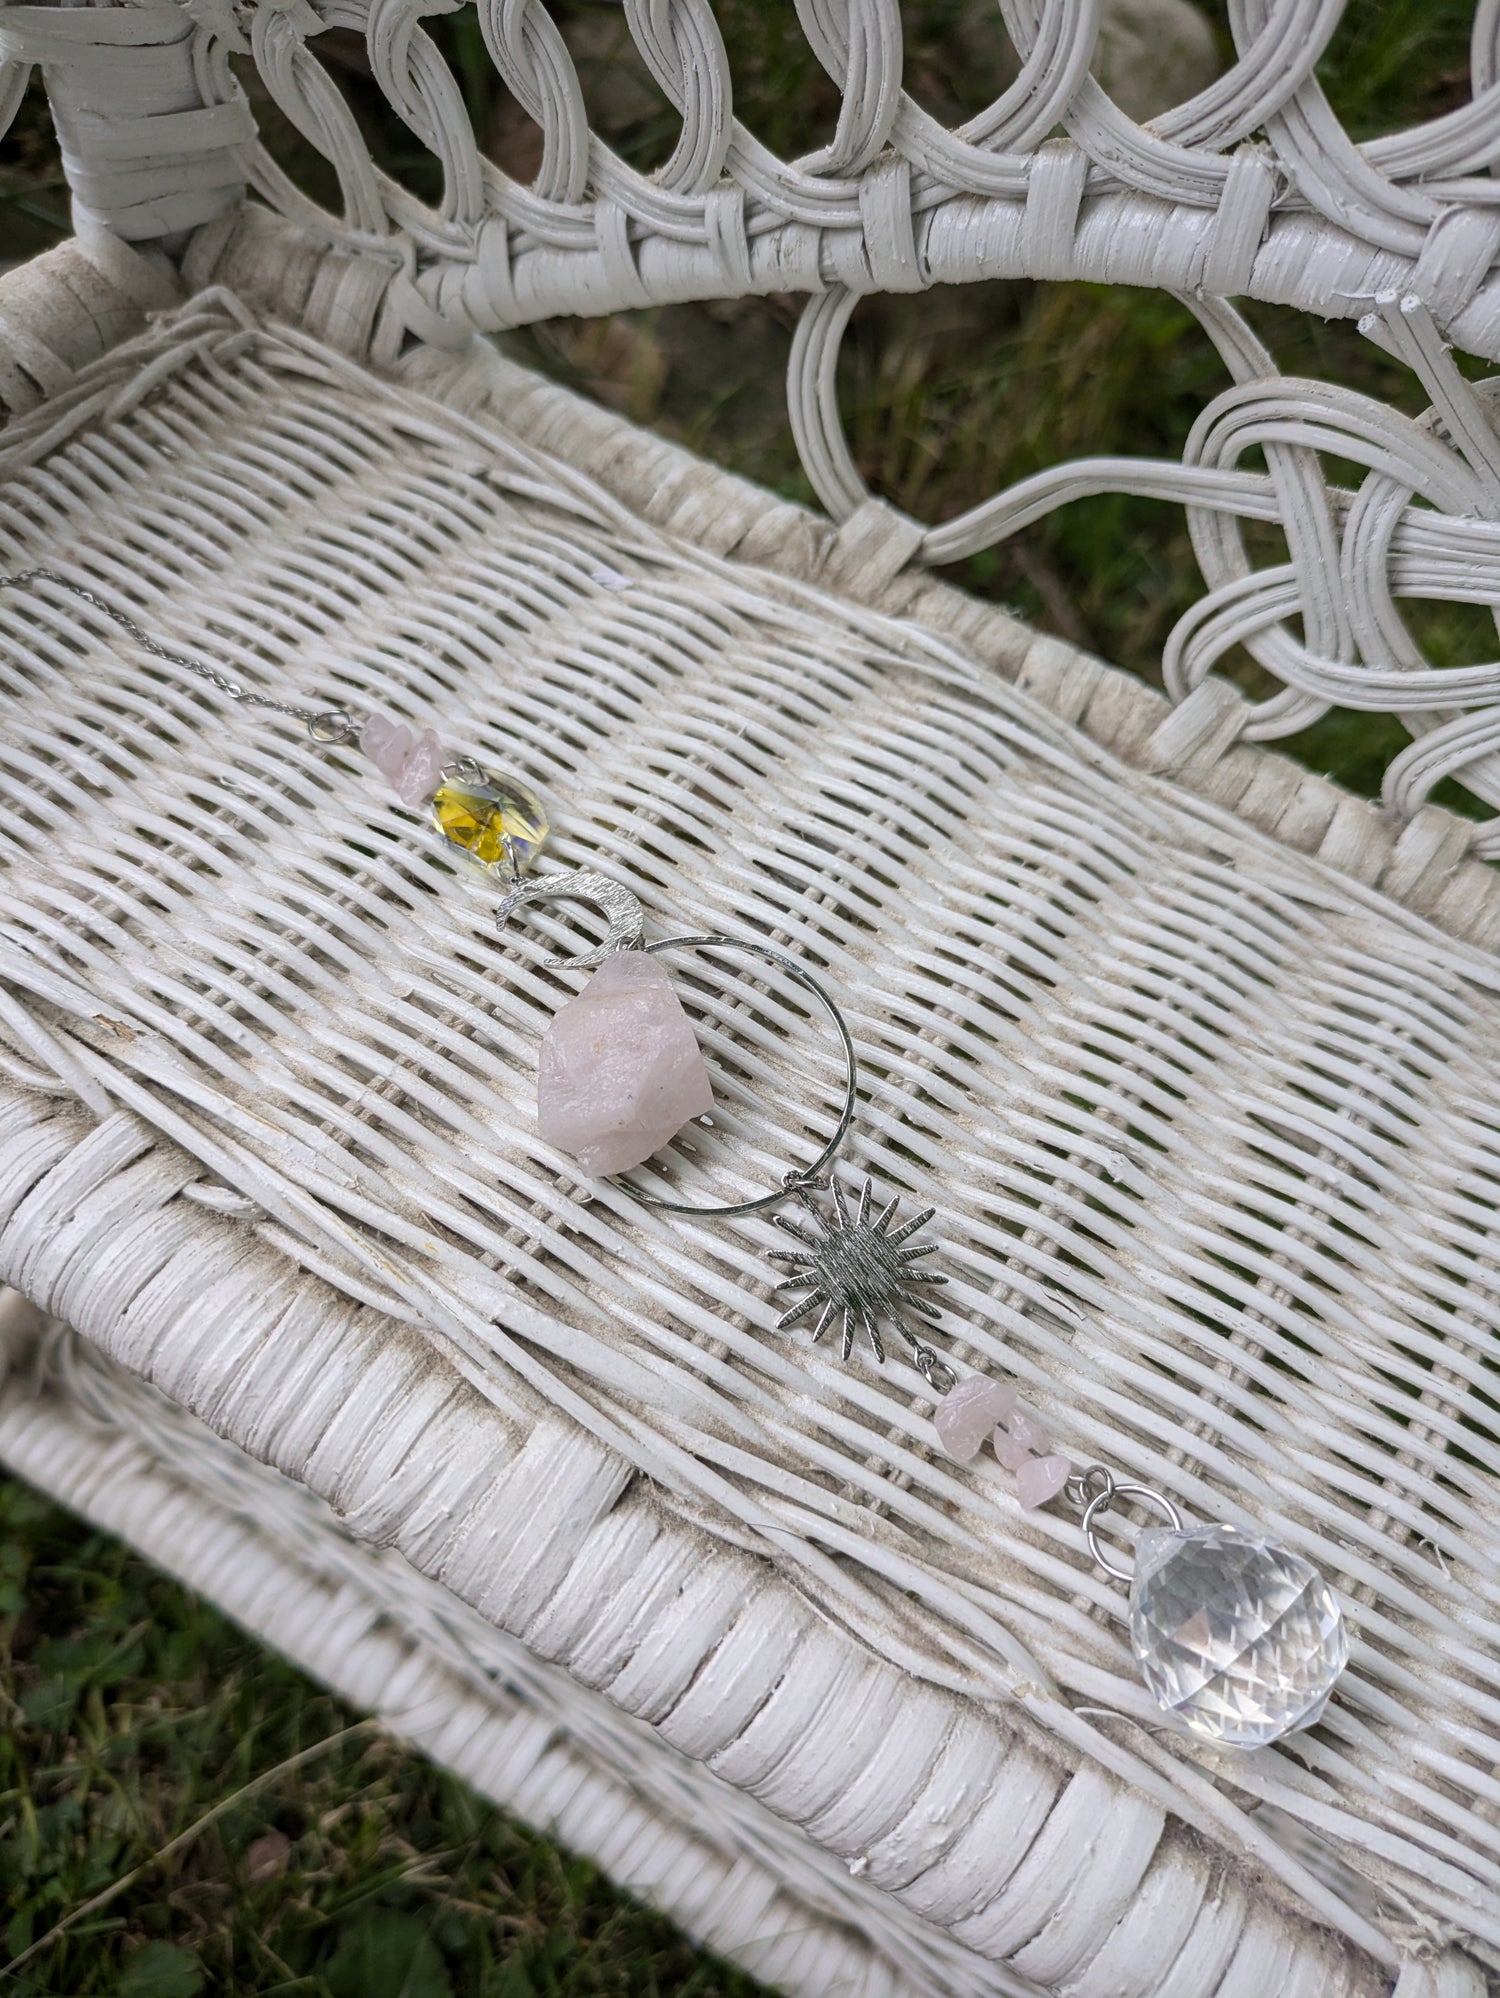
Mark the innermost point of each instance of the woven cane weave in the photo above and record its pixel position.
(1207, 1124)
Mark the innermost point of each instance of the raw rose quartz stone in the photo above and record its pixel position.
(967, 1415)
(1040, 1479)
(620, 1070)
(387, 743)
(1020, 1438)
(422, 772)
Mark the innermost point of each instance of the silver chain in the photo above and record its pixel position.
(326, 725)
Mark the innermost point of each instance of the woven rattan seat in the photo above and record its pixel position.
(307, 1203)
(1195, 1055)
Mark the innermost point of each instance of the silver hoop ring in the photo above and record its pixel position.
(333, 727)
(803, 977)
(1101, 1502)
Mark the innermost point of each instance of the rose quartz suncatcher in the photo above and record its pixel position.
(1236, 1636)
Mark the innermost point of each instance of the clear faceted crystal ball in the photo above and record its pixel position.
(1235, 1634)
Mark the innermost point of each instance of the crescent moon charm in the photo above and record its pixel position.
(627, 924)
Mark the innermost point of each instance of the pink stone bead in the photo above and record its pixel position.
(387, 743)
(1011, 1454)
(620, 1070)
(1040, 1479)
(422, 772)
(967, 1415)
(1020, 1438)
(1028, 1432)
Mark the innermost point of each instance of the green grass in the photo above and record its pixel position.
(133, 1711)
(337, 1865)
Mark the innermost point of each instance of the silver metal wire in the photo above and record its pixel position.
(326, 725)
(803, 977)
(935, 1370)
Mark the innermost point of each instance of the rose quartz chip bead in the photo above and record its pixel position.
(386, 743)
(966, 1416)
(422, 772)
(978, 1406)
(1020, 1438)
(413, 764)
(1041, 1478)
(1023, 1446)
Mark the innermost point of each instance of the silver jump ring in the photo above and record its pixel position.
(334, 726)
(934, 1369)
(803, 977)
(1101, 1503)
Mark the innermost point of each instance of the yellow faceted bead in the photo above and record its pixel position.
(498, 820)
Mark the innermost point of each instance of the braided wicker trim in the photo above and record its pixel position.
(524, 1733)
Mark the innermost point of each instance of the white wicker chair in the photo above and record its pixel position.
(1196, 1054)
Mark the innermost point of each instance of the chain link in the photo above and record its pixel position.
(934, 1369)
(326, 725)
(1083, 1487)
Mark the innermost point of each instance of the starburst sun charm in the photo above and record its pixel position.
(856, 1269)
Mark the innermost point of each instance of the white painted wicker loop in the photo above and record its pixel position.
(812, 403)
(305, 93)
(858, 42)
(1337, 580)
(531, 56)
(1055, 63)
(423, 89)
(682, 47)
